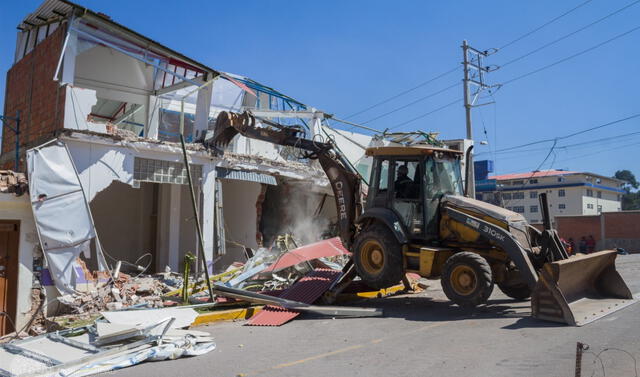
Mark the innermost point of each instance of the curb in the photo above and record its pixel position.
(226, 315)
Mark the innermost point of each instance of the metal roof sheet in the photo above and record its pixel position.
(243, 175)
(307, 290)
(48, 11)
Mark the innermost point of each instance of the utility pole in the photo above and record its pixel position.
(474, 72)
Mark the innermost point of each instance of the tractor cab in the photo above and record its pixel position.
(408, 183)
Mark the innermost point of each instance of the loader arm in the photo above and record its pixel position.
(345, 182)
(503, 239)
(574, 290)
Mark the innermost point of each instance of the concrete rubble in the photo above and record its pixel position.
(128, 321)
(116, 342)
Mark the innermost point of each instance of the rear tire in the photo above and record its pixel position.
(377, 256)
(467, 280)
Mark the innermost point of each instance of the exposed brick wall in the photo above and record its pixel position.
(40, 100)
(622, 224)
(577, 227)
(621, 229)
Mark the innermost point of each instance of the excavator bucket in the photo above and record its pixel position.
(580, 289)
(227, 126)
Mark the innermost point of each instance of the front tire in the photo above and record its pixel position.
(513, 285)
(520, 291)
(467, 280)
(377, 256)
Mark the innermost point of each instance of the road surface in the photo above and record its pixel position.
(421, 335)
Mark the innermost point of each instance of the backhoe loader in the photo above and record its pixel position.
(416, 218)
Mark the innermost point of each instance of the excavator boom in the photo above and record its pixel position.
(345, 182)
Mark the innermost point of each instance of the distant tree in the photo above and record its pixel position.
(630, 200)
(628, 178)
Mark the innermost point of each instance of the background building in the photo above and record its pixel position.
(568, 192)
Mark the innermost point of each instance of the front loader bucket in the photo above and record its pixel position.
(580, 289)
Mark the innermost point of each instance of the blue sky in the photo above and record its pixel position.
(344, 56)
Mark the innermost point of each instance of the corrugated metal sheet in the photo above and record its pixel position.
(307, 290)
(243, 175)
(325, 248)
(46, 12)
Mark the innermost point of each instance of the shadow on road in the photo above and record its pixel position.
(427, 309)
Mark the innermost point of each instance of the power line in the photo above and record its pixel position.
(457, 67)
(570, 135)
(447, 73)
(570, 34)
(413, 102)
(586, 144)
(608, 149)
(425, 114)
(571, 56)
(533, 172)
(546, 24)
(591, 153)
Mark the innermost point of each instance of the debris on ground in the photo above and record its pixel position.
(124, 292)
(106, 345)
(133, 318)
(306, 290)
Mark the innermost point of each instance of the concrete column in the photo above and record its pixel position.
(203, 104)
(208, 211)
(69, 60)
(316, 123)
(603, 235)
(168, 249)
(174, 227)
(153, 117)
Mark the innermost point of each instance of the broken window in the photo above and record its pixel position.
(123, 115)
(169, 126)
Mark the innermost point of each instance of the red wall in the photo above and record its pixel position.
(31, 90)
(622, 224)
(621, 229)
(577, 227)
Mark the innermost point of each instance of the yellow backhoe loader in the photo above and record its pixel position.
(416, 218)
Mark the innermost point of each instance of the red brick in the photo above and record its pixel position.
(577, 227)
(32, 91)
(619, 225)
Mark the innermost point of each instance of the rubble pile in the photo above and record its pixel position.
(116, 342)
(125, 292)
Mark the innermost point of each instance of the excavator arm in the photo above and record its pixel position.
(345, 181)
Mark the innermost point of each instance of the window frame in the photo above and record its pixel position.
(518, 209)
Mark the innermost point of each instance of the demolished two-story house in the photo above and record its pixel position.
(93, 112)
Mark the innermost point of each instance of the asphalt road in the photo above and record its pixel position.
(421, 335)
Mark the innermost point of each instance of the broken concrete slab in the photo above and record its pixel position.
(184, 317)
(81, 351)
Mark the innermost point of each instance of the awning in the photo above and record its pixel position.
(243, 175)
